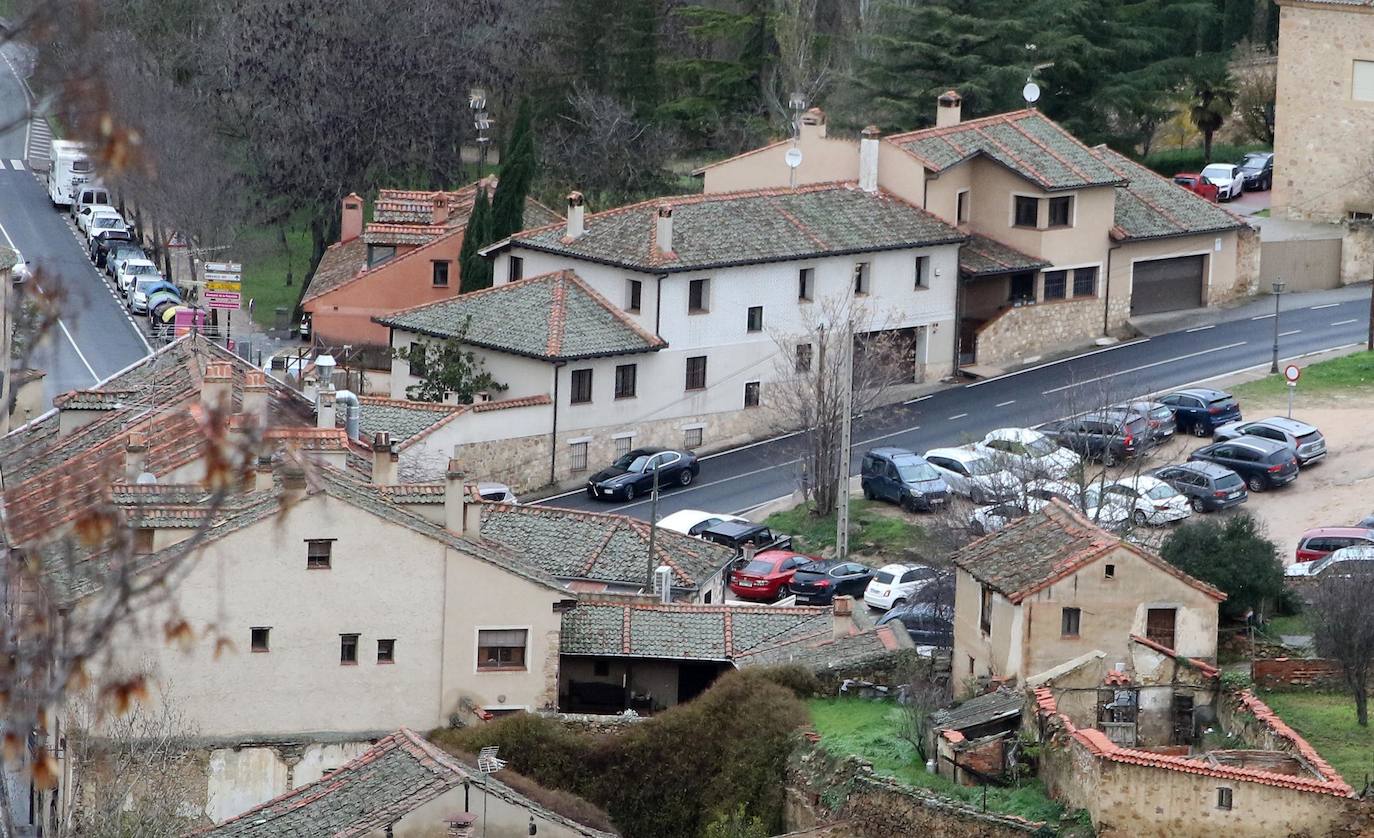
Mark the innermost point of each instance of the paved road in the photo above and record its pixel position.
(739, 480)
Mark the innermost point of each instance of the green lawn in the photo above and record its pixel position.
(1327, 721)
(266, 263)
(1349, 373)
(868, 729)
(1287, 624)
(871, 523)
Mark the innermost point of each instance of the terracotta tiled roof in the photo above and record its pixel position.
(341, 263)
(820, 651)
(686, 632)
(393, 778)
(1153, 207)
(1200, 665)
(744, 228)
(552, 316)
(1027, 142)
(406, 421)
(509, 404)
(982, 256)
(1038, 550)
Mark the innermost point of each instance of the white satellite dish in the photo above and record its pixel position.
(793, 158)
(1031, 92)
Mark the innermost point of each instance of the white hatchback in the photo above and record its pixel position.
(1143, 501)
(693, 521)
(896, 584)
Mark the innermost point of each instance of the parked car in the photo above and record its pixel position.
(132, 270)
(1108, 436)
(767, 575)
(1208, 486)
(1228, 179)
(101, 222)
(1305, 441)
(1197, 184)
(896, 584)
(119, 252)
(1142, 500)
(1030, 453)
(926, 623)
(148, 291)
(101, 245)
(88, 195)
(1201, 410)
(1257, 168)
(1322, 541)
(496, 493)
(84, 215)
(819, 582)
(632, 475)
(1032, 498)
(1159, 417)
(1366, 521)
(1347, 561)
(972, 473)
(993, 517)
(739, 535)
(693, 521)
(902, 477)
(1261, 463)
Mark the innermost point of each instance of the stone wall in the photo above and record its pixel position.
(1027, 331)
(1289, 672)
(1247, 268)
(1357, 252)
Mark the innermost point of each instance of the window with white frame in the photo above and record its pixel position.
(699, 296)
(754, 319)
(806, 283)
(634, 294)
(751, 394)
(499, 649)
(961, 207)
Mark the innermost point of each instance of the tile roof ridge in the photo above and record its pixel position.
(437, 407)
(1017, 127)
(433, 427)
(940, 130)
(712, 608)
(797, 223)
(571, 275)
(1141, 171)
(467, 295)
(558, 315)
(597, 551)
(1039, 176)
(443, 234)
(1146, 200)
(1203, 666)
(508, 404)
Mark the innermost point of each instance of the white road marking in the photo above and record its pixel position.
(957, 416)
(1328, 305)
(1122, 345)
(1201, 328)
(18, 165)
(1262, 317)
(1344, 322)
(77, 349)
(1005, 403)
(1286, 334)
(918, 399)
(1145, 367)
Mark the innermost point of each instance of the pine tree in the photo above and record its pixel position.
(517, 174)
(634, 56)
(474, 270)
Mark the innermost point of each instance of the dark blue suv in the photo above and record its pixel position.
(904, 478)
(1199, 410)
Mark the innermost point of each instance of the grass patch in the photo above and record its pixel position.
(1347, 374)
(1264, 213)
(1327, 721)
(267, 262)
(1287, 624)
(870, 522)
(868, 729)
(1170, 161)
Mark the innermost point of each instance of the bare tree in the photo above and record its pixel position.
(1343, 629)
(805, 64)
(602, 149)
(1256, 91)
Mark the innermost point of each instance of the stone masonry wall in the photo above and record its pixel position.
(1357, 252)
(1247, 268)
(1028, 331)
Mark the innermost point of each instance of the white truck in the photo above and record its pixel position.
(70, 168)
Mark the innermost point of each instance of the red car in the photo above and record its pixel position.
(1197, 184)
(766, 577)
(1323, 541)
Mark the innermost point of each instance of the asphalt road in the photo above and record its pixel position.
(736, 481)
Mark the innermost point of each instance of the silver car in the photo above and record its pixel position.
(1304, 440)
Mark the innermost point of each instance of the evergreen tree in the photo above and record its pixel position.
(634, 55)
(517, 174)
(475, 271)
(1238, 19)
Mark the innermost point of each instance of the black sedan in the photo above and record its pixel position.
(926, 623)
(819, 582)
(632, 475)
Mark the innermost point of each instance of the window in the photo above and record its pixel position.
(625, 376)
(1362, 81)
(970, 666)
(259, 638)
(623, 445)
(517, 269)
(1224, 796)
(803, 357)
(440, 274)
(922, 272)
(1356, 215)
(386, 651)
(348, 649)
(1056, 284)
(379, 253)
(755, 319)
(1061, 211)
(415, 356)
(501, 649)
(696, 373)
(961, 207)
(1068, 622)
(698, 296)
(1027, 212)
(1159, 625)
(318, 553)
(985, 611)
(578, 453)
(861, 278)
(601, 669)
(691, 438)
(806, 283)
(751, 394)
(1085, 282)
(581, 386)
(143, 541)
(634, 294)
(1110, 572)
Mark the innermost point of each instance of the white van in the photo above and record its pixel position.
(89, 195)
(70, 168)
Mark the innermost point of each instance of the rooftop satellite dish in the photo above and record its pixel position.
(1031, 92)
(793, 158)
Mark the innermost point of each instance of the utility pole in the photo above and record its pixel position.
(1369, 344)
(653, 529)
(1278, 294)
(846, 430)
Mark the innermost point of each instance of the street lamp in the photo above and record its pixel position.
(1278, 292)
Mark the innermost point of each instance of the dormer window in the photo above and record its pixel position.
(379, 253)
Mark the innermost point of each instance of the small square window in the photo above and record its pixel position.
(1068, 622)
(626, 376)
(1224, 798)
(1056, 284)
(1027, 211)
(415, 357)
(803, 357)
(1110, 572)
(578, 453)
(623, 445)
(922, 272)
(634, 294)
(861, 278)
(440, 274)
(386, 651)
(517, 269)
(501, 649)
(143, 541)
(581, 391)
(696, 372)
(691, 438)
(319, 554)
(348, 649)
(699, 296)
(260, 638)
(806, 283)
(755, 319)
(1061, 211)
(1362, 81)
(751, 394)
(1085, 282)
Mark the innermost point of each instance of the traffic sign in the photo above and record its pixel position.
(1292, 372)
(224, 267)
(217, 276)
(223, 299)
(223, 286)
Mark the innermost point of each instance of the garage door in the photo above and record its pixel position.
(1167, 284)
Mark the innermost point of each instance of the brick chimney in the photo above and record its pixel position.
(460, 515)
(385, 460)
(440, 215)
(135, 455)
(868, 159)
(813, 123)
(663, 232)
(949, 109)
(351, 218)
(255, 397)
(843, 624)
(324, 407)
(460, 826)
(217, 385)
(576, 222)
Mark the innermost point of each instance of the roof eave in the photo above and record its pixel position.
(736, 263)
(419, 330)
(1128, 238)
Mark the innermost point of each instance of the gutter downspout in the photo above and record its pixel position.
(658, 304)
(553, 434)
(1107, 289)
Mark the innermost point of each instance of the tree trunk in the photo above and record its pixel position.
(1207, 146)
(1362, 704)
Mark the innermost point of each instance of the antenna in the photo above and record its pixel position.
(793, 158)
(1031, 93)
(477, 103)
(488, 764)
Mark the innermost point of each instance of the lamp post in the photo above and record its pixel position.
(1278, 293)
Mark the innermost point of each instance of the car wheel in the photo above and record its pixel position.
(1140, 518)
(630, 492)
(1256, 483)
(909, 504)
(1197, 505)
(898, 604)
(1199, 430)
(686, 477)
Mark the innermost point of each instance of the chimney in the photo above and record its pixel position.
(324, 408)
(135, 455)
(293, 484)
(949, 110)
(663, 233)
(440, 214)
(868, 159)
(385, 461)
(813, 123)
(262, 474)
(843, 624)
(576, 225)
(460, 515)
(217, 386)
(255, 397)
(461, 826)
(351, 218)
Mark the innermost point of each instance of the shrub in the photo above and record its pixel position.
(1170, 161)
(1234, 556)
(801, 681)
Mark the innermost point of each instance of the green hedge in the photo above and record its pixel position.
(1172, 160)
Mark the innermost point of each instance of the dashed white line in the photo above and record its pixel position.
(957, 416)
(1145, 367)
(1286, 334)
(1327, 305)
(1262, 317)
(1121, 345)
(1344, 322)
(1201, 328)
(1004, 404)
(918, 399)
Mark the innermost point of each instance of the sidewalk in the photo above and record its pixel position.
(1173, 321)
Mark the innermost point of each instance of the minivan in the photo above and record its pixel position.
(902, 477)
(88, 195)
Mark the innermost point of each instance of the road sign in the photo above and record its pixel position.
(223, 299)
(216, 276)
(1292, 372)
(223, 286)
(224, 267)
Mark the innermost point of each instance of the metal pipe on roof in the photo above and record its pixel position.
(352, 412)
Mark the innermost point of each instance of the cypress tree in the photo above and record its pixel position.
(517, 173)
(475, 271)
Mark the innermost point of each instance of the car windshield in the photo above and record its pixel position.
(140, 269)
(1186, 181)
(915, 471)
(1229, 481)
(1161, 492)
(981, 467)
(883, 577)
(1161, 413)
(1217, 170)
(1040, 447)
(633, 461)
(105, 222)
(758, 566)
(143, 285)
